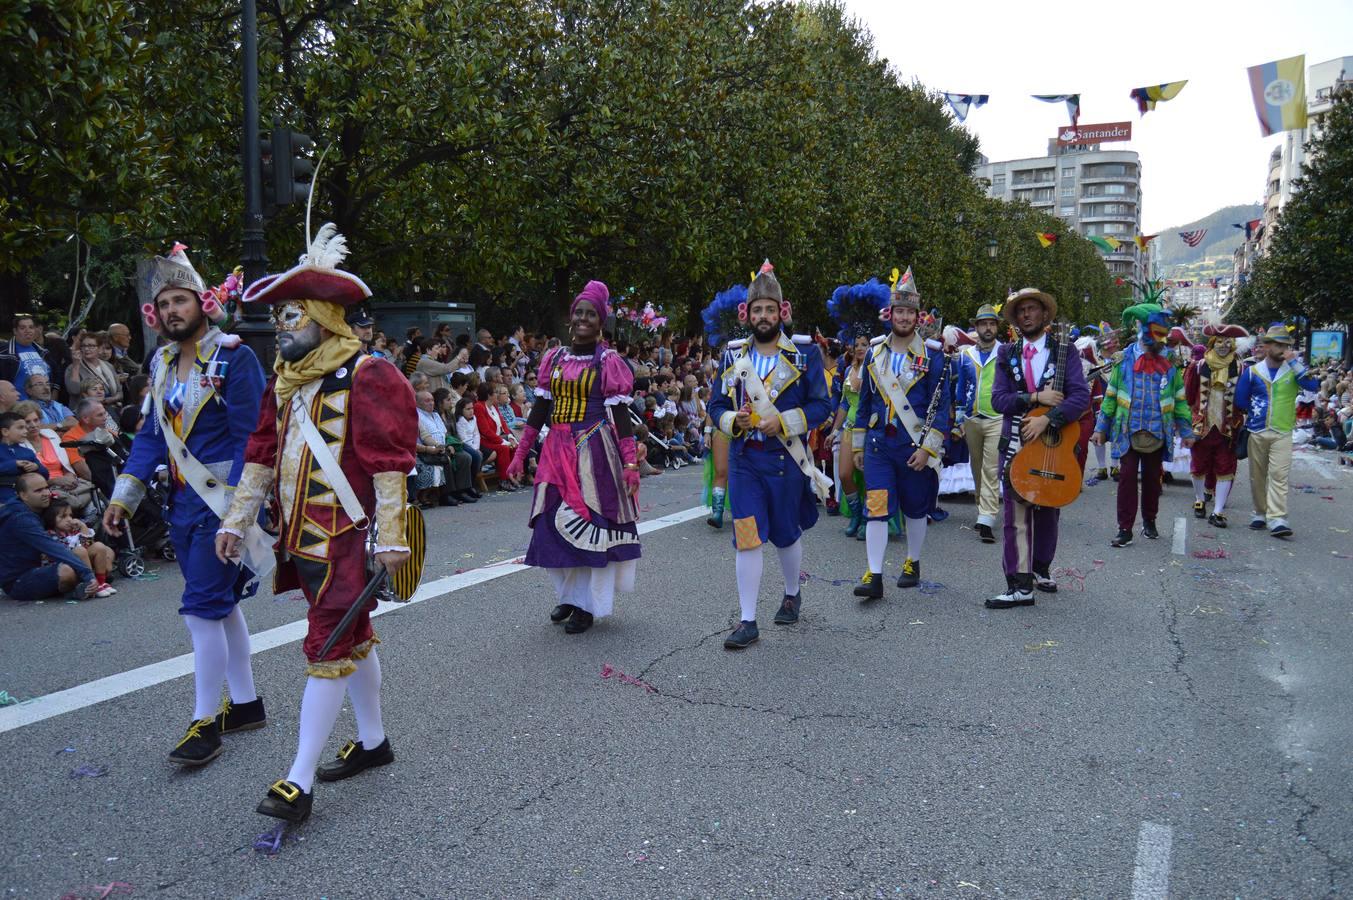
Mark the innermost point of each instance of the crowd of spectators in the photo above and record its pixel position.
(1328, 412)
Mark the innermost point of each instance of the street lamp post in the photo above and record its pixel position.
(253, 327)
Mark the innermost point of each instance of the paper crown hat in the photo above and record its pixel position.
(158, 273)
(764, 284)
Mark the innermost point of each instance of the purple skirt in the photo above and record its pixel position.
(562, 539)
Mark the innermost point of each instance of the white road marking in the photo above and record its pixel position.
(1181, 535)
(1151, 875)
(113, 686)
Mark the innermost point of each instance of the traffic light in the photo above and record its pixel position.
(291, 167)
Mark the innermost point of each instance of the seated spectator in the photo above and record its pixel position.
(455, 482)
(136, 389)
(459, 388)
(64, 468)
(379, 346)
(61, 524)
(16, 457)
(33, 564)
(529, 383)
(51, 411)
(92, 423)
(494, 437)
(120, 342)
(467, 429)
(1328, 434)
(129, 422)
(90, 366)
(511, 417)
(520, 408)
(419, 382)
(676, 445)
(641, 439)
(24, 354)
(9, 395)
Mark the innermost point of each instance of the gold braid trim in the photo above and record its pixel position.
(342, 668)
(391, 496)
(255, 483)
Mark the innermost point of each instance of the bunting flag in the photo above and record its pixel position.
(1107, 244)
(1046, 238)
(1193, 238)
(1073, 104)
(1105, 327)
(1142, 240)
(1279, 90)
(1251, 227)
(962, 103)
(1119, 282)
(1182, 283)
(1147, 97)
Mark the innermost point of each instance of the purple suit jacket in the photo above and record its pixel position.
(1008, 392)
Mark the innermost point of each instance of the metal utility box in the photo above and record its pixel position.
(397, 317)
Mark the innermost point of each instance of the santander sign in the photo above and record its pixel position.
(1094, 134)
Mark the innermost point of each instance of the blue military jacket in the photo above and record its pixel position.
(797, 385)
(219, 412)
(923, 371)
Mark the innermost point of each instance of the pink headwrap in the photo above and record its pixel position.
(598, 295)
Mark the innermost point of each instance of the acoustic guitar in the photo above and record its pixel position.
(1046, 471)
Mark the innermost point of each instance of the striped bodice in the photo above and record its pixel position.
(576, 399)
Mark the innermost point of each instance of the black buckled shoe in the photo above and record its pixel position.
(578, 622)
(1217, 520)
(287, 802)
(985, 534)
(234, 717)
(354, 759)
(1122, 539)
(199, 746)
(911, 574)
(745, 635)
(1149, 530)
(1199, 509)
(870, 586)
(788, 613)
(561, 612)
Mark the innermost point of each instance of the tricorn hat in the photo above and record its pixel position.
(1014, 300)
(315, 276)
(1235, 332)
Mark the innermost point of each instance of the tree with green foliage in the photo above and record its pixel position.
(1308, 270)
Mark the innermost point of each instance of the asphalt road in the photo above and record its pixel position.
(1181, 727)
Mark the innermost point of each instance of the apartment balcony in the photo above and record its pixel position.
(1129, 218)
(1102, 179)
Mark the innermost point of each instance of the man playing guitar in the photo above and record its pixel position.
(1025, 370)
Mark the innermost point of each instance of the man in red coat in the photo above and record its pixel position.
(334, 442)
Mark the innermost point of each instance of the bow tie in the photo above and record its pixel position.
(1151, 364)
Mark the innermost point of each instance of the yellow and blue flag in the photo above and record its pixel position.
(1279, 90)
(1147, 97)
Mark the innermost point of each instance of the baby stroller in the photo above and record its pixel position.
(146, 529)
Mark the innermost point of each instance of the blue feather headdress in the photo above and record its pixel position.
(721, 316)
(856, 308)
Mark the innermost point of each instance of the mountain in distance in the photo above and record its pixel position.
(1212, 257)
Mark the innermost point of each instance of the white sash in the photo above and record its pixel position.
(256, 548)
(884, 377)
(761, 403)
(325, 457)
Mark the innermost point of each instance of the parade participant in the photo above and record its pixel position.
(1210, 386)
(1024, 379)
(203, 400)
(722, 324)
(1144, 407)
(856, 308)
(979, 421)
(331, 446)
(1093, 367)
(1267, 394)
(770, 395)
(898, 435)
(956, 476)
(583, 516)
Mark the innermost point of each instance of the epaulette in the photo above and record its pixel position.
(737, 344)
(801, 338)
(932, 344)
(874, 342)
(229, 341)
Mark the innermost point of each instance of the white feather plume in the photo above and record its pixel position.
(327, 250)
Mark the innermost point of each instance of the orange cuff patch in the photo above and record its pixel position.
(745, 533)
(876, 502)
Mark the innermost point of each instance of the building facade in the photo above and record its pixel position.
(1095, 192)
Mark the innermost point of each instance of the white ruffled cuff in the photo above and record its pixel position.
(617, 399)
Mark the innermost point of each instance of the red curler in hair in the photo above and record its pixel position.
(742, 312)
(886, 314)
(786, 311)
(148, 313)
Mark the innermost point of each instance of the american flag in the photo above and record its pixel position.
(1193, 238)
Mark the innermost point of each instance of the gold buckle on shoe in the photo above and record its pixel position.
(286, 790)
(347, 750)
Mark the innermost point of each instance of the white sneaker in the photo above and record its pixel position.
(105, 590)
(1011, 598)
